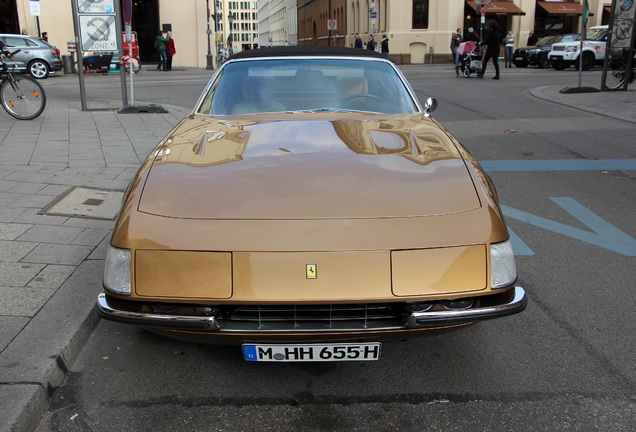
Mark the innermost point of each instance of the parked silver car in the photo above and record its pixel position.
(36, 57)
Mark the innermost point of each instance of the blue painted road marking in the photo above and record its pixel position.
(560, 165)
(604, 235)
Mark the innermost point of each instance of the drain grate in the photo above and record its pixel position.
(87, 203)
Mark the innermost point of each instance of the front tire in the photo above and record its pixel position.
(543, 62)
(24, 99)
(616, 72)
(588, 61)
(38, 69)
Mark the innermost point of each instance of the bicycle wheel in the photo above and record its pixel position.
(22, 97)
(615, 76)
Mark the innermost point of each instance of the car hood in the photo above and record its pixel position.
(308, 166)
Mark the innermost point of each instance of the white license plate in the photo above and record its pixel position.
(518, 58)
(312, 352)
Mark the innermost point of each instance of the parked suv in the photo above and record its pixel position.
(566, 54)
(537, 55)
(36, 57)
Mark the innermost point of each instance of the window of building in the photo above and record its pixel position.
(420, 14)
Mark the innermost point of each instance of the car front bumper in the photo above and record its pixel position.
(405, 316)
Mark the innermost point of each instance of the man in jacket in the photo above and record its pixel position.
(371, 43)
(384, 46)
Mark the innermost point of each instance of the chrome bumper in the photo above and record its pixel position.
(411, 319)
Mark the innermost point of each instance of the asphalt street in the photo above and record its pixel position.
(566, 362)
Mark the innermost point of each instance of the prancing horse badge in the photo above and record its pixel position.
(312, 271)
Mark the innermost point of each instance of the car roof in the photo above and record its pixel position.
(303, 50)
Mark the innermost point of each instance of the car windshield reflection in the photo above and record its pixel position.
(307, 85)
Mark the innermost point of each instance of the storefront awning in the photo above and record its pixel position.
(561, 8)
(498, 8)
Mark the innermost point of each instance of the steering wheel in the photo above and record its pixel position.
(361, 96)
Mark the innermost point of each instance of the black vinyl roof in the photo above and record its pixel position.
(304, 50)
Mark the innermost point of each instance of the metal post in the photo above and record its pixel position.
(208, 56)
(216, 33)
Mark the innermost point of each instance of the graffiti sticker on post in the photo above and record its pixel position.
(96, 6)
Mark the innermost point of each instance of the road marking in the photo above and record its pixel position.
(604, 235)
(560, 165)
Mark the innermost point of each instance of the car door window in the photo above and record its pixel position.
(15, 42)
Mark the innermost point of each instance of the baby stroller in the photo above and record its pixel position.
(470, 56)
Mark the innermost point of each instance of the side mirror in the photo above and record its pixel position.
(430, 106)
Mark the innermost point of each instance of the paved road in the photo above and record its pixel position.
(562, 362)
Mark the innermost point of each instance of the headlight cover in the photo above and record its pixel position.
(502, 262)
(117, 271)
(571, 49)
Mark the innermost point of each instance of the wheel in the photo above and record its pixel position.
(588, 61)
(543, 62)
(23, 98)
(615, 76)
(466, 72)
(38, 69)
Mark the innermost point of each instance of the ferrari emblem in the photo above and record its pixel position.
(312, 271)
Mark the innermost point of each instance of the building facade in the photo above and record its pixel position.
(418, 30)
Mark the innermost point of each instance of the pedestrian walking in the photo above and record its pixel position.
(492, 41)
(456, 39)
(371, 43)
(160, 44)
(170, 51)
(384, 46)
(358, 42)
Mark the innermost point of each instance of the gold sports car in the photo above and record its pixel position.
(309, 208)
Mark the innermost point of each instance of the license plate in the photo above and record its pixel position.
(518, 58)
(312, 352)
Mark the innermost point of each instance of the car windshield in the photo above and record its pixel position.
(568, 37)
(307, 84)
(596, 34)
(547, 40)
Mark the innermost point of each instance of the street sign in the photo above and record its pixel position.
(98, 33)
(34, 5)
(373, 15)
(332, 24)
(96, 6)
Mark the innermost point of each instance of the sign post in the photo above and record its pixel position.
(127, 4)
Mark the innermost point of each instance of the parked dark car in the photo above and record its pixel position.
(537, 55)
(36, 57)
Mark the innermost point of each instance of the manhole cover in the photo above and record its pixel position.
(85, 202)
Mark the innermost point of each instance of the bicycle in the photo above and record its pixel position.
(21, 96)
(617, 72)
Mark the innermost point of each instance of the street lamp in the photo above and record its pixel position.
(230, 18)
(208, 56)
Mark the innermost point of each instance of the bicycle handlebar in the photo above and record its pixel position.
(8, 53)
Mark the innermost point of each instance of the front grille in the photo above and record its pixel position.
(558, 48)
(329, 317)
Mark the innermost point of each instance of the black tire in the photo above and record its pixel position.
(466, 72)
(38, 69)
(615, 77)
(543, 62)
(588, 61)
(23, 99)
